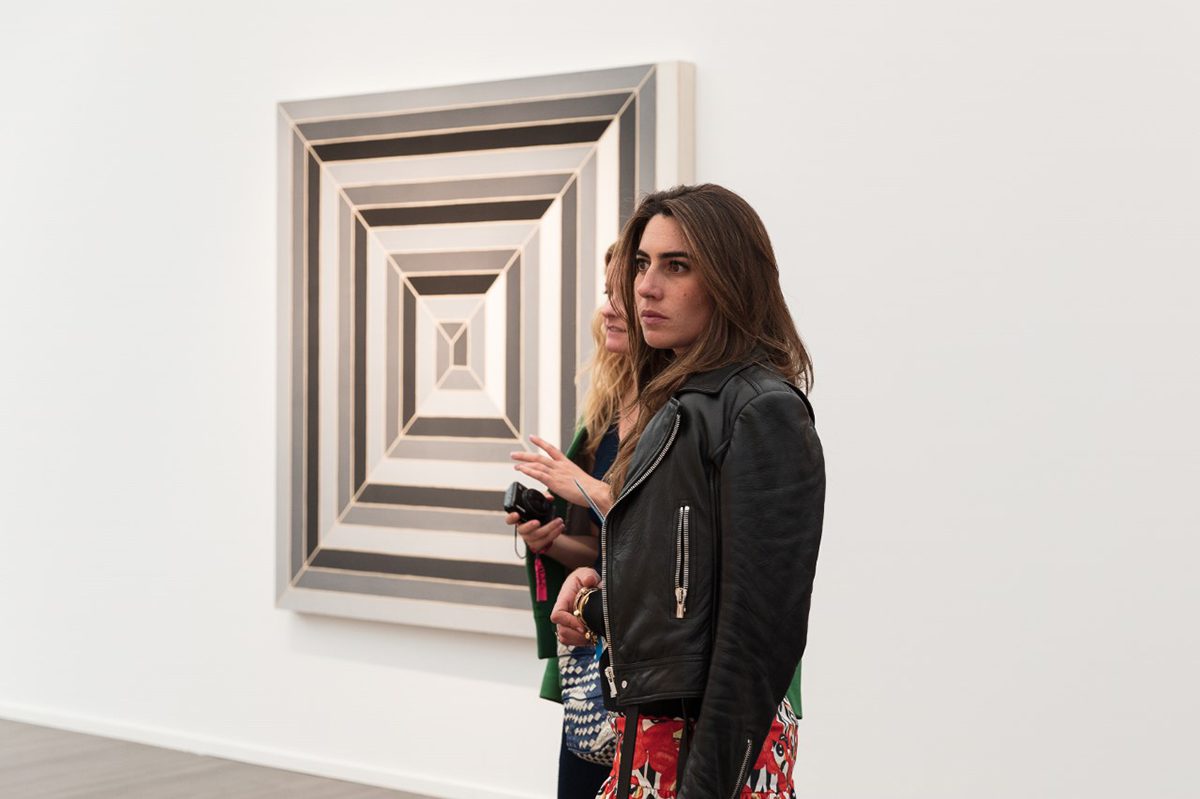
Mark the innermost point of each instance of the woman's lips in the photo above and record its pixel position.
(652, 318)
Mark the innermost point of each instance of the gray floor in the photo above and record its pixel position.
(43, 763)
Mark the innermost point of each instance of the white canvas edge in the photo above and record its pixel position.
(419, 612)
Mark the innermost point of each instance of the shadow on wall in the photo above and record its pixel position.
(453, 653)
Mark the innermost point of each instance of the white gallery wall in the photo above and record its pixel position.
(988, 220)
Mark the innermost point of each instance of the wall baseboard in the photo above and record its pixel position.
(419, 785)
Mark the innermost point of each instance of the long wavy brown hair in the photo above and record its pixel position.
(732, 254)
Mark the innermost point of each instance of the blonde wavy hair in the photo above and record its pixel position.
(612, 377)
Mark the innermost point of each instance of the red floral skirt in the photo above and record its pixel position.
(657, 748)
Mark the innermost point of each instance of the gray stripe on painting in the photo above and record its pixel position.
(468, 261)
(461, 380)
(442, 520)
(460, 351)
(627, 166)
(531, 318)
(592, 82)
(451, 190)
(597, 105)
(443, 356)
(647, 104)
(392, 363)
(345, 356)
(570, 310)
(297, 332)
(415, 588)
(477, 330)
(512, 346)
(460, 427)
(453, 449)
(589, 263)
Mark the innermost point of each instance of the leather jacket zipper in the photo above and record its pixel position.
(741, 780)
(682, 560)
(609, 672)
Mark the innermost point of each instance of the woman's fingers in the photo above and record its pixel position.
(538, 536)
(570, 627)
(571, 637)
(551, 450)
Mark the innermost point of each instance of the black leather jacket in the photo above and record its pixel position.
(708, 557)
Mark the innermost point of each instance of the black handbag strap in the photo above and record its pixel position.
(685, 739)
(625, 773)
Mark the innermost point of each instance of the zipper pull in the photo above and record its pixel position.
(612, 680)
(680, 600)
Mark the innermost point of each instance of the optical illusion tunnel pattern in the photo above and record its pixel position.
(442, 267)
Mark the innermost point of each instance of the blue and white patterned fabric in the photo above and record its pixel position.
(586, 730)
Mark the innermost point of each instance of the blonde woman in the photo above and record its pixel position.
(571, 539)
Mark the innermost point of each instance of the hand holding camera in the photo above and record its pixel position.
(533, 514)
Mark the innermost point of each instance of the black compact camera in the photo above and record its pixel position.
(528, 503)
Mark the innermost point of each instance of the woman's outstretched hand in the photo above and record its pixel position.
(570, 627)
(555, 471)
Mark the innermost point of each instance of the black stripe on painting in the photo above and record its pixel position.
(312, 272)
(451, 284)
(501, 573)
(500, 138)
(410, 356)
(359, 313)
(456, 213)
(457, 498)
(296, 326)
(460, 427)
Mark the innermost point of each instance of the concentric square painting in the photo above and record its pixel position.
(441, 256)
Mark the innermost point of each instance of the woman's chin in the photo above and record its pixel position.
(658, 341)
(617, 343)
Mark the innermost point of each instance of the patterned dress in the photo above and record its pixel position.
(657, 749)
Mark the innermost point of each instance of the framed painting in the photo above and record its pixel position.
(440, 260)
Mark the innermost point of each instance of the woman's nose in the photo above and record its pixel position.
(647, 285)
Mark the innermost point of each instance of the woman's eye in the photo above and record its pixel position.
(641, 265)
(678, 266)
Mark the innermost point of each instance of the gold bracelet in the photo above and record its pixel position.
(581, 600)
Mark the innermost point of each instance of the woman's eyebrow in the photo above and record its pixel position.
(672, 254)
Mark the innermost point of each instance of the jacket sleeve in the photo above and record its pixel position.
(771, 499)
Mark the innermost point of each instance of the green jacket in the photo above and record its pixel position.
(556, 574)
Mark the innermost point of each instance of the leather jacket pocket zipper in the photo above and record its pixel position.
(682, 559)
(742, 776)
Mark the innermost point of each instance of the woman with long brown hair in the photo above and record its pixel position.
(709, 549)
